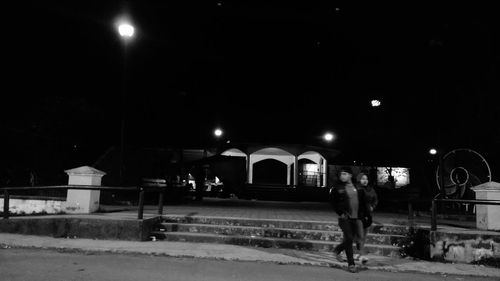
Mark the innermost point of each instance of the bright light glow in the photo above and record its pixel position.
(311, 168)
(126, 30)
(328, 136)
(433, 151)
(218, 132)
(376, 103)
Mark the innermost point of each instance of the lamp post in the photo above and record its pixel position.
(439, 170)
(218, 133)
(126, 31)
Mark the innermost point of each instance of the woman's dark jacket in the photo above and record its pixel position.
(340, 201)
(370, 196)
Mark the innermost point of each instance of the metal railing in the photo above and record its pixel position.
(141, 190)
(435, 201)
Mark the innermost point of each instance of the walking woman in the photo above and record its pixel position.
(350, 205)
(372, 201)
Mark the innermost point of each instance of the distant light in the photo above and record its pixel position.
(228, 141)
(218, 132)
(375, 103)
(433, 151)
(126, 30)
(328, 137)
(219, 4)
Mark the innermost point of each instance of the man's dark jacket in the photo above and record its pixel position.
(340, 201)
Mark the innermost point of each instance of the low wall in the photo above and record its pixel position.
(466, 246)
(34, 205)
(74, 227)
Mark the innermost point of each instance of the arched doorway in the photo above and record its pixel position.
(312, 169)
(283, 160)
(308, 173)
(270, 171)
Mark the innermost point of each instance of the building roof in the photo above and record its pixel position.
(294, 149)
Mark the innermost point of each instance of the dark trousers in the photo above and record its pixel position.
(350, 228)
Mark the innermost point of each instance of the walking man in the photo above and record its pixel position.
(350, 205)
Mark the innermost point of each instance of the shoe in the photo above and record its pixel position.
(363, 259)
(339, 257)
(352, 269)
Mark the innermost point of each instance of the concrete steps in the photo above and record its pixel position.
(291, 234)
(265, 242)
(273, 223)
(285, 233)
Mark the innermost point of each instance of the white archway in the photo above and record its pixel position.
(273, 153)
(321, 163)
(234, 152)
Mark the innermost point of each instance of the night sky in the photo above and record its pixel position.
(263, 73)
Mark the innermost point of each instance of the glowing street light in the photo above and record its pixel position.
(126, 30)
(376, 103)
(328, 137)
(218, 132)
(432, 151)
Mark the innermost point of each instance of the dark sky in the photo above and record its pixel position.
(263, 72)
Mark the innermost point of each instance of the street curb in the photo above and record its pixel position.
(302, 262)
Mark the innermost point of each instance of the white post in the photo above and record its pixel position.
(288, 173)
(295, 171)
(250, 169)
(487, 215)
(83, 201)
(325, 166)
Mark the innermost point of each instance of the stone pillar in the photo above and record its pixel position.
(296, 171)
(288, 173)
(83, 201)
(250, 169)
(325, 171)
(487, 216)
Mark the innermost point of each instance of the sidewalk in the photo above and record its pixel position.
(235, 253)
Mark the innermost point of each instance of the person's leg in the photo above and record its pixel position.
(343, 224)
(346, 245)
(357, 229)
(363, 242)
(348, 240)
(362, 258)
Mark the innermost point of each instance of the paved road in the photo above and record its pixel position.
(31, 264)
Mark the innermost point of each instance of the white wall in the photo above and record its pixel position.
(30, 206)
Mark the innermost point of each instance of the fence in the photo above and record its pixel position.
(435, 201)
(141, 190)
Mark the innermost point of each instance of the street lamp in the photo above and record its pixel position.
(375, 103)
(328, 137)
(218, 132)
(439, 170)
(126, 31)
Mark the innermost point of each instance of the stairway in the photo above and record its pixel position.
(267, 233)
